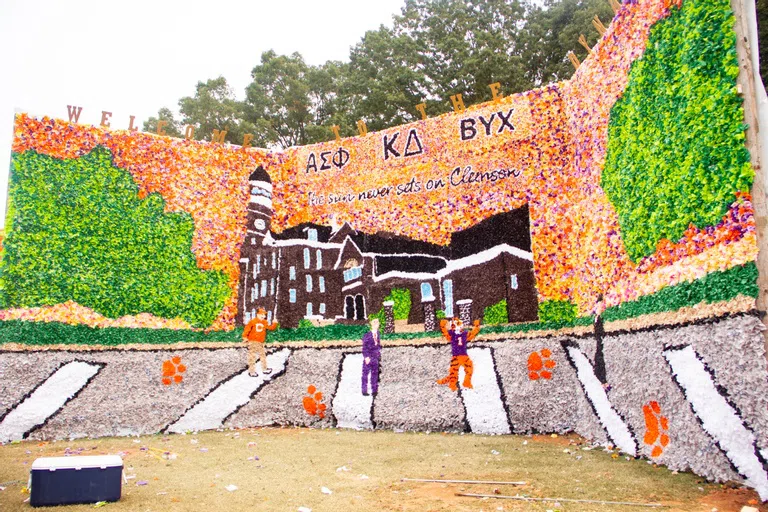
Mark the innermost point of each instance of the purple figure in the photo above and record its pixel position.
(371, 356)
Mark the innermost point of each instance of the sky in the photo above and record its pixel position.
(134, 57)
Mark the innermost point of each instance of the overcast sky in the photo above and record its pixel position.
(133, 57)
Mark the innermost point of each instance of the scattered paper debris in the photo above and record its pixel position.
(525, 443)
(325, 490)
(142, 482)
(2, 488)
(203, 449)
(342, 468)
(554, 436)
(748, 509)
(99, 504)
(495, 452)
(193, 441)
(231, 488)
(137, 441)
(305, 509)
(364, 477)
(162, 493)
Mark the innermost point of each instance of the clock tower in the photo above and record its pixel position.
(259, 206)
(259, 257)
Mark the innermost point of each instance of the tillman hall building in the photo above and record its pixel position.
(337, 275)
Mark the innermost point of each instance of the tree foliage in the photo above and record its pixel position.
(214, 107)
(433, 50)
(677, 134)
(79, 232)
(172, 128)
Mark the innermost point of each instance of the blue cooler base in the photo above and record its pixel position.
(68, 486)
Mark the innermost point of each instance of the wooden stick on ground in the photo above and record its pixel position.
(460, 481)
(523, 498)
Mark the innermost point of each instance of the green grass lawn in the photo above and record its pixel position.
(714, 287)
(284, 469)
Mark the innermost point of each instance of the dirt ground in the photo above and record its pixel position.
(337, 470)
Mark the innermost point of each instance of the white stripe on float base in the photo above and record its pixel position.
(717, 417)
(350, 407)
(49, 397)
(484, 405)
(610, 420)
(211, 412)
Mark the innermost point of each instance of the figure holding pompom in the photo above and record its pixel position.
(455, 333)
(254, 336)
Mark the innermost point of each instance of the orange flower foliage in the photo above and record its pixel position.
(73, 313)
(540, 364)
(172, 370)
(313, 403)
(550, 157)
(656, 427)
(207, 180)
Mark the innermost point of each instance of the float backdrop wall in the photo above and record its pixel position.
(601, 229)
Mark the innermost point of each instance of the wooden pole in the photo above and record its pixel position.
(747, 83)
(461, 481)
(565, 500)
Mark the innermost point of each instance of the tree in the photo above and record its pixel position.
(681, 146)
(553, 30)
(434, 50)
(288, 100)
(172, 129)
(78, 231)
(214, 107)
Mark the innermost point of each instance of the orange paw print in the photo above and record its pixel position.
(540, 364)
(656, 427)
(313, 403)
(172, 370)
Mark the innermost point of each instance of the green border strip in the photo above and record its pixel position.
(715, 287)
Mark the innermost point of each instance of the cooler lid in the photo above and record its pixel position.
(78, 462)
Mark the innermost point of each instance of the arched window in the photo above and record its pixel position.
(426, 292)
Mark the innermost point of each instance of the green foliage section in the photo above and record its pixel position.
(717, 286)
(676, 151)
(328, 332)
(52, 333)
(79, 232)
(714, 287)
(496, 314)
(402, 299)
(557, 312)
(305, 324)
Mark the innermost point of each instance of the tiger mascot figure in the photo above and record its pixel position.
(459, 339)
